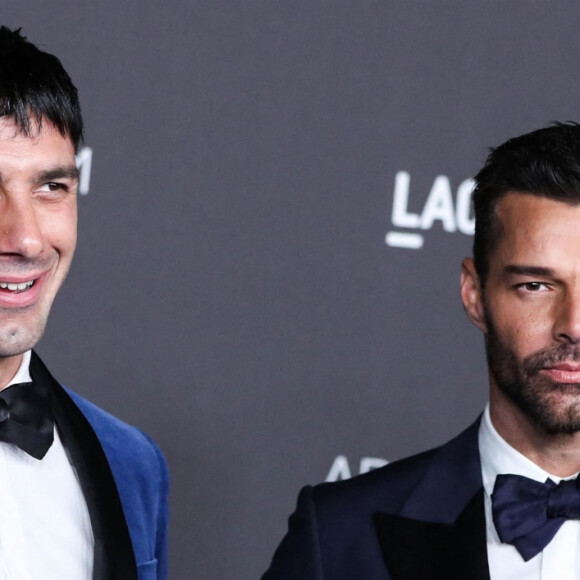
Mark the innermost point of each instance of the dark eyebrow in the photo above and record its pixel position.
(60, 172)
(66, 172)
(528, 270)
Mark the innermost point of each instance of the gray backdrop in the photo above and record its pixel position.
(233, 292)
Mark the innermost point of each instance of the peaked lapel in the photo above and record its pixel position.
(113, 554)
(439, 533)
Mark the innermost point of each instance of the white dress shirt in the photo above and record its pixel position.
(560, 559)
(45, 529)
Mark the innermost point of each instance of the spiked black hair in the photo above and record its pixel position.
(35, 88)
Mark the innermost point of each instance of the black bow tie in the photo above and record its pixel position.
(26, 418)
(527, 513)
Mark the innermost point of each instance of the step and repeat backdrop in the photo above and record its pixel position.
(275, 201)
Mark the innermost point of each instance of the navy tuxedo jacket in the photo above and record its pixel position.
(125, 482)
(421, 518)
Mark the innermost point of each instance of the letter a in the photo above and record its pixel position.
(439, 205)
(339, 469)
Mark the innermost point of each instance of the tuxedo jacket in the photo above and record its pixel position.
(124, 479)
(421, 518)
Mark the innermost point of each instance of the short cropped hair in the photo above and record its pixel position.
(34, 87)
(545, 163)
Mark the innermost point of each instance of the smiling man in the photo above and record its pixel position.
(502, 499)
(38, 219)
(82, 495)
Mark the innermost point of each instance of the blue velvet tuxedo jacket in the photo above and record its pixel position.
(421, 518)
(125, 482)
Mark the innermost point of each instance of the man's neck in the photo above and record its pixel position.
(558, 454)
(8, 368)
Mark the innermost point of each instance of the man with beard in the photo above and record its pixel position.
(501, 501)
(83, 496)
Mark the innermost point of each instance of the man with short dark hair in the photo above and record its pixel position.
(501, 500)
(83, 496)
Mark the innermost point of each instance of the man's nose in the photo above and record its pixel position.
(20, 233)
(567, 323)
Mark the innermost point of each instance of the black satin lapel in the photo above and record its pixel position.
(414, 549)
(114, 558)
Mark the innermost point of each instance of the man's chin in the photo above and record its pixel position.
(17, 340)
(558, 412)
(557, 426)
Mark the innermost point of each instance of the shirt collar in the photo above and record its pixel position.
(499, 457)
(23, 373)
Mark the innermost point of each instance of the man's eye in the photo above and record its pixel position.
(52, 186)
(533, 286)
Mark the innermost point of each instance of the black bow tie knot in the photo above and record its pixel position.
(26, 418)
(564, 500)
(4, 411)
(528, 513)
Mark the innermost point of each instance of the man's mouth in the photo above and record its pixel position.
(565, 366)
(16, 288)
(564, 372)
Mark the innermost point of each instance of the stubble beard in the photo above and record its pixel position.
(554, 407)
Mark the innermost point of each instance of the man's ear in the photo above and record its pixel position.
(472, 295)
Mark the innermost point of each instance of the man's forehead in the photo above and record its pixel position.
(533, 227)
(41, 156)
(33, 131)
(516, 209)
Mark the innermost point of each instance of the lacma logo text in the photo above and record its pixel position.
(453, 214)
